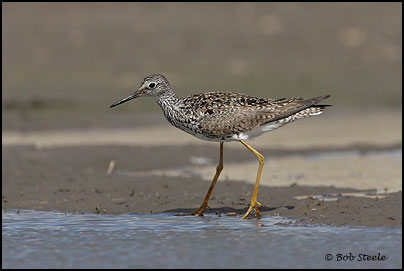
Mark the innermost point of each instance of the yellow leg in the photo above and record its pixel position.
(200, 210)
(254, 202)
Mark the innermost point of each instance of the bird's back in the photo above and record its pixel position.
(222, 116)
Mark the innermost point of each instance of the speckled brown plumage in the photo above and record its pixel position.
(225, 116)
(221, 115)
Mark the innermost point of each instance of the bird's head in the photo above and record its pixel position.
(154, 85)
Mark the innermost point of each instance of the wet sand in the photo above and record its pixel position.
(75, 179)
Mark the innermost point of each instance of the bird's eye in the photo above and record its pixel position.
(152, 85)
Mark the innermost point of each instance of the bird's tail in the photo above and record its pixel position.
(307, 108)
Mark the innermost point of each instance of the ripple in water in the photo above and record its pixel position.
(33, 239)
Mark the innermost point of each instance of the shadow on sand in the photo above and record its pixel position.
(226, 210)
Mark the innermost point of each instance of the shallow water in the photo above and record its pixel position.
(33, 239)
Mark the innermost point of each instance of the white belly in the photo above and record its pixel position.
(257, 132)
(275, 125)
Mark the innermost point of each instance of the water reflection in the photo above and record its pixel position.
(56, 240)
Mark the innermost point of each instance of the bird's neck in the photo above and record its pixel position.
(172, 107)
(168, 101)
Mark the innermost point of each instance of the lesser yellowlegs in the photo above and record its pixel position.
(224, 117)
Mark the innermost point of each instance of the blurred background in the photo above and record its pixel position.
(65, 63)
(64, 149)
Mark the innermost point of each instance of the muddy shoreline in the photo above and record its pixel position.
(75, 179)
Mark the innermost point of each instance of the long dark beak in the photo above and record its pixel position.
(133, 96)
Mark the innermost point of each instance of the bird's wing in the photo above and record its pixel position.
(246, 116)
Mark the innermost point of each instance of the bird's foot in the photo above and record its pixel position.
(197, 212)
(254, 205)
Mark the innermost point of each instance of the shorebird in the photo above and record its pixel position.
(225, 117)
